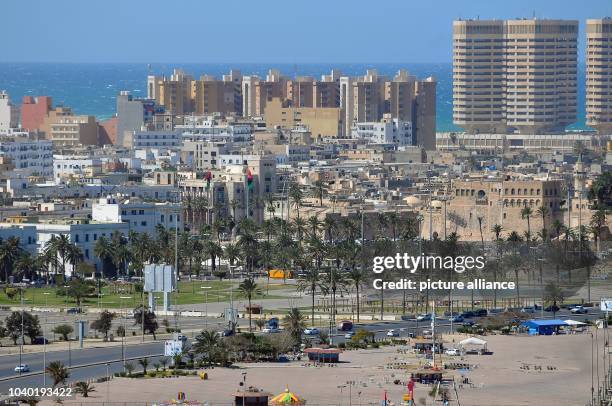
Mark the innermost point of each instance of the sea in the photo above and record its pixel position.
(91, 88)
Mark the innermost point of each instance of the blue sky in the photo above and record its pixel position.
(287, 31)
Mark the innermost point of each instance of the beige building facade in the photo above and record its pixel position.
(599, 75)
(322, 122)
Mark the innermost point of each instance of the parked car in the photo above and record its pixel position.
(468, 323)
(393, 333)
(270, 330)
(468, 314)
(73, 310)
(453, 352)
(22, 368)
(480, 312)
(349, 335)
(552, 308)
(40, 341)
(345, 325)
(456, 319)
(579, 310)
(528, 309)
(424, 317)
(311, 331)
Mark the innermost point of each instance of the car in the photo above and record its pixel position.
(468, 323)
(468, 315)
(452, 351)
(480, 313)
(424, 317)
(226, 333)
(22, 368)
(270, 330)
(349, 335)
(393, 333)
(552, 308)
(40, 341)
(73, 310)
(345, 325)
(311, 331)
(528, 309)
(579, 310)
(456, 319)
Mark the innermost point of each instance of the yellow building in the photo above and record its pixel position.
(322, 122)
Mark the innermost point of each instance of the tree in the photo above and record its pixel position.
(598, 223)
(129, 368)
(553, 295)
(207, 344)
(319, 191)
(294, 323)
(58, 372)
(104, 322)
(543, 211)
(248, 288)
(311, 282)
(61, 247)
(164, 362)
(600, 192)
(79, 289)
(64, 330)
(357, 277)
(84, 388)
(104, 250)
(480, 223)
(150, 322)
(10, 250)
(260, 324)
(144, 363)
(526, 214)
(497, 230)
(296, 196)
(31, 326)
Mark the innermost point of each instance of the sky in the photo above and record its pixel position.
(261, 31)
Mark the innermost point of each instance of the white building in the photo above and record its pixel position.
(141, 217)
(156, 139)
(67, 166)
(29, 156)
(387, 131)
(9, 113)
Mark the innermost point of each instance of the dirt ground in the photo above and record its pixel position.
(364, 376)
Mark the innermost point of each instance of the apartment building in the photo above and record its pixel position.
(322, 122)
(34, 110)
(29, 156)
(326, 92)
(9, 113)
(64, 128)
(514, 75)
(599, 75)
(132, 115)
(175, 93)
(218, 96)
(388, 131)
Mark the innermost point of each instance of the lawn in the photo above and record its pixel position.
(124, 295)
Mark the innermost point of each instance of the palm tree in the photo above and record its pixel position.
(144, 363)
(104, 250)
(10, 250)
(526, 214)
(357, 277)
(206, 343)
(319, 191)
(248, 288)
(558, 226)
(294, 324)
(553, 295)
(61, 246)
(58, 372)
(314, 224)
(300, 229)
(84, 388)
(480, 223)
(497, 230)
(296, 196)
(311, 282)
(597, 224)
(543, 211)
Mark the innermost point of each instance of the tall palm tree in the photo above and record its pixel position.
(526, 214)
(249, 288)
(314, 225)
(10, 250)
(480, 224)
(294, 324)
(319, 191)
(311, 282)
(543, 211)
(357, 277)
(497, 230)
(297, 197)
(553, 295)
(144, 363)
(104, 250)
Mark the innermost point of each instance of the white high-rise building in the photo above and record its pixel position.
(9, 113)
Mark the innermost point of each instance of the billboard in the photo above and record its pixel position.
(606, 305)
(173, 347)
(159, 278)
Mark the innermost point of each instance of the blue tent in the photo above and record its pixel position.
(544, 327)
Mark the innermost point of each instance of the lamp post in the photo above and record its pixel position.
(205, 305)
(123, 326)
(45, 343)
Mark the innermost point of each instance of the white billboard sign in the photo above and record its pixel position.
(173, 347)
(606, 305)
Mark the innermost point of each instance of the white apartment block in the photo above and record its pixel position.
(141, 217)
(66, 167)
(30, 157)
(156, 139)
(388, 131)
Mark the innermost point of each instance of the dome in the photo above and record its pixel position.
(413, 201)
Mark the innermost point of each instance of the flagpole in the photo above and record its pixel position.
(247, 194)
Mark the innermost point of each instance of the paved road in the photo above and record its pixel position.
(75, 357)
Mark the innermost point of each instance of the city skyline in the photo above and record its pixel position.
(412, 32)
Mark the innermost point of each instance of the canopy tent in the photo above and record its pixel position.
(473, 341)
(574, 323)
(287, 398)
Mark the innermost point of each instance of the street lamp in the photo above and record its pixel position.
(45, 343)
(123, 327)
(205, 305)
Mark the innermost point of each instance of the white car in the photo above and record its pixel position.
(270, 330)
(392, 333)
(22, 368)
(453, 352)
(349, 335)
(311, 331)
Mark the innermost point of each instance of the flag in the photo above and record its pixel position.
(208, 178)
(249, 179)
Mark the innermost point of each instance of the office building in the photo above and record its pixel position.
(67, 129)
(514, 75)
(599, 75)
(322, 122)
(34, 110)
(9, 113)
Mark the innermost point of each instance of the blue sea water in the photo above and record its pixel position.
(92, 88)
